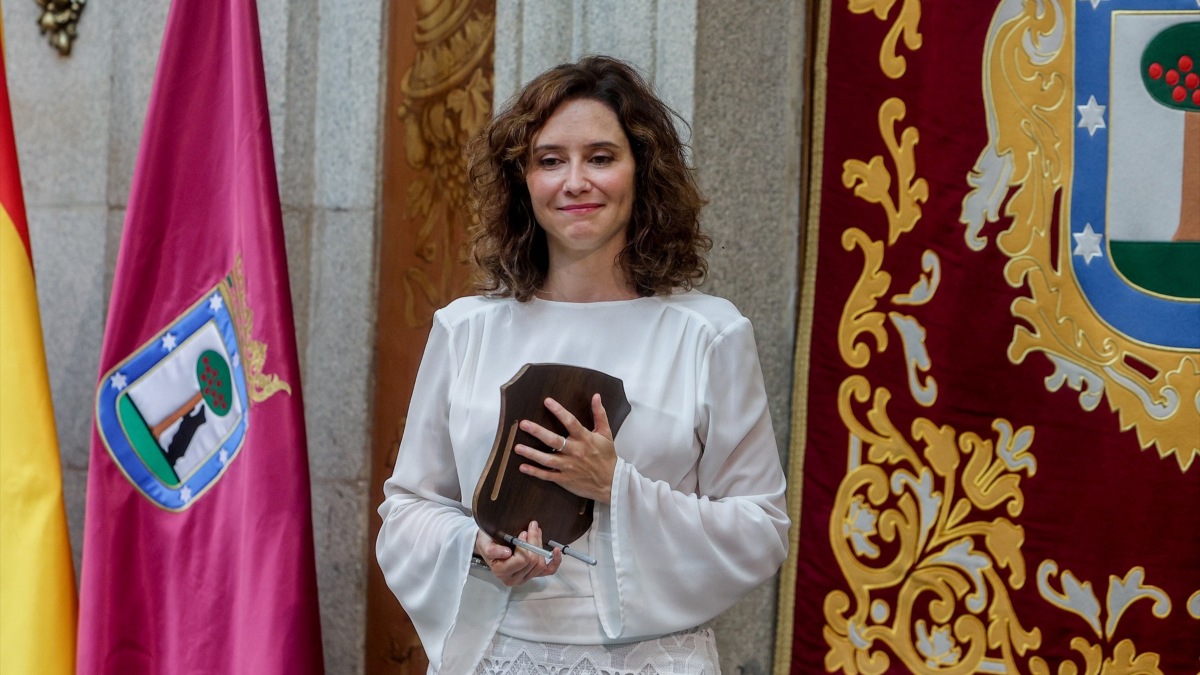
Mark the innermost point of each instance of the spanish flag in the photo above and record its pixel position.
(37, 582)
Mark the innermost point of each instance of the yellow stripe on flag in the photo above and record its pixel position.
(37, 579)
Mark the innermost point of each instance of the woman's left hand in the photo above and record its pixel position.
(514, 566)
(585, 461)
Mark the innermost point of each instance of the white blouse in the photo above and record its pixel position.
(697, 516)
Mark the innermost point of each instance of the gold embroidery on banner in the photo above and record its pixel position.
(923, 291)
(447, 99)
(858, 315)
(1125, 661)
(872, 181)
(924, 525)
(917, 363)
(1155, 391)
(892, 64)
(925, 569)
(1078, 598)
(259, 385)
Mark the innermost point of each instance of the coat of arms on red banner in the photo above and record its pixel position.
(999, 365)
(1115, 302)
(174, 414)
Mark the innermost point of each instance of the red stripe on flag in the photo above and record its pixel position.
(10, 174)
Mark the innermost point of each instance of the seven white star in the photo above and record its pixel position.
(168, 342)
(1087, 244)
(1091, 116)
(185, 494)
(215, 303)
(1096, 3)
(223, 456)
(118, 381)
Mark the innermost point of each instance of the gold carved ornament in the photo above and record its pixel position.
(59, 18)
(447, 98)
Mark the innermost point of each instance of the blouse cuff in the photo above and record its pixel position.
(607, 530)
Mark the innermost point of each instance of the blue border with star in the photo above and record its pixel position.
(214, 309)
(1142, 316)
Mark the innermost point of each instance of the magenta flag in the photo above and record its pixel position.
(198, 549)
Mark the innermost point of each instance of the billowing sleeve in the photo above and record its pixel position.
(427, 536)
(682, 559)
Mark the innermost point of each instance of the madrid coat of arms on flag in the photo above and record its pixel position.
(173, 414)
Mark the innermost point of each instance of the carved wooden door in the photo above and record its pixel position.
(438, 93)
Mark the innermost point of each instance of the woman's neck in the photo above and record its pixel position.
(577, 283)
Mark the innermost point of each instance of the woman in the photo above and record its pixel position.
(588, 247)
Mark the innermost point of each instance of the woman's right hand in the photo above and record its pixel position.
(515, 566)
(586, 459)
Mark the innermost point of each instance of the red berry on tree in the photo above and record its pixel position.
(1156, 71)
(1176, 46)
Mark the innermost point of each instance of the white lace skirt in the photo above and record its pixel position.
(692, 652)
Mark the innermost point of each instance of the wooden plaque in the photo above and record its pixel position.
(506, 500)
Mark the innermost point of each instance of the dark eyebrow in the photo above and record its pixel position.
(609, 145)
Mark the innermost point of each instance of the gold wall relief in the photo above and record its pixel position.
(438, 93)
(60, 18)
(446, 96)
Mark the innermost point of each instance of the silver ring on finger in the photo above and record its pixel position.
(564, 444)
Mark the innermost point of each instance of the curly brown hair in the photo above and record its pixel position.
(664, 247)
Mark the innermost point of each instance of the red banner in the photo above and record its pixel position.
(998, 391)
(198, 547)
